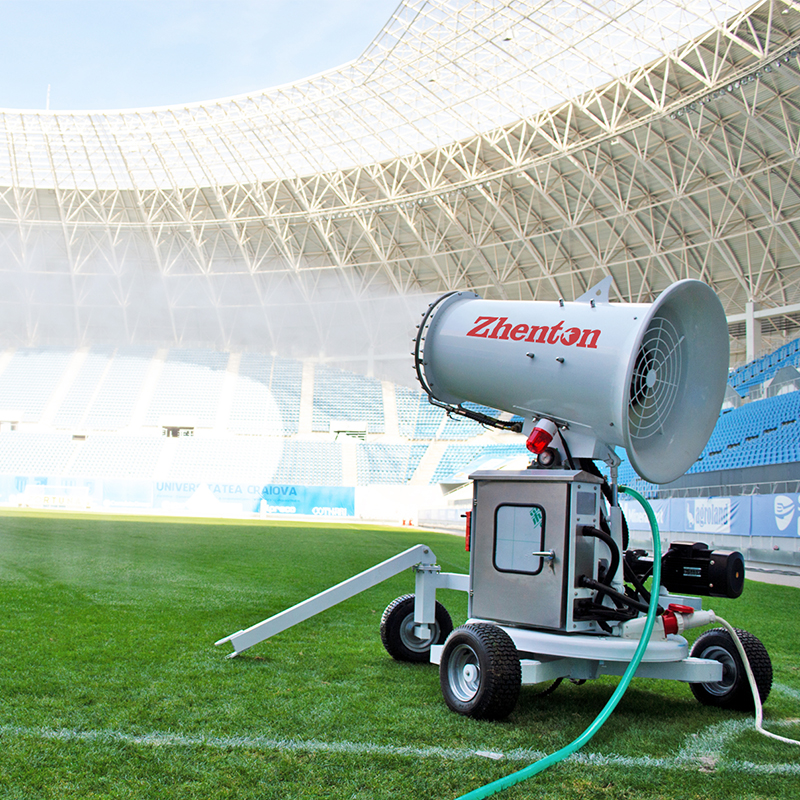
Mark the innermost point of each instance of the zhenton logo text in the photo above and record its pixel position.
(501, 328)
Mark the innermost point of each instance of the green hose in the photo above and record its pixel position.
(564, 752)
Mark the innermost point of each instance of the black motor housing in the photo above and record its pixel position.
(692, 568)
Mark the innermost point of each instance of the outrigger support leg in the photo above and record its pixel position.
(419, 556)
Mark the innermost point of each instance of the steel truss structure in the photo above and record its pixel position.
(517, 148)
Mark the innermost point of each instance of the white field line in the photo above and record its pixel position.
(787, 691)
(702, 751)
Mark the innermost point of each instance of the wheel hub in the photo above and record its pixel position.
(410, 638)
(464, 673)
(729, 670)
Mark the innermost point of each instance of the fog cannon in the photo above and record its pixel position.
(649, 377)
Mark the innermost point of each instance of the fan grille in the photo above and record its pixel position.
(655, 379)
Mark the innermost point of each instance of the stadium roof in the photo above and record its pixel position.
(440, 71)
(519, 149)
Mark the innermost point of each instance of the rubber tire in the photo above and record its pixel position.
(733, 692)
(397, 635)
(480, 673)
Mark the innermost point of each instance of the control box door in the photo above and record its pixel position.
(513, 521)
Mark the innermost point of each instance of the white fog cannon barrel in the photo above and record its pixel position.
(648, 377)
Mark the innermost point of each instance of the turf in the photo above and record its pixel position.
(110, 686)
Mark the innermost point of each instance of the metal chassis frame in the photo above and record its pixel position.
(547, 656)
(544, 656)
(420, 558)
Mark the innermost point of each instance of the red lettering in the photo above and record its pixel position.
(570, 336)
(554, 332)
(540, 334)
(519, 332)
(541, 329)
(481, 329)
(501, 325)
(587, 334)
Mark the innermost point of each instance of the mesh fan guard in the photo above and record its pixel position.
(655, 379)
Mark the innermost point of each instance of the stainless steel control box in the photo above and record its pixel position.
(526, 548)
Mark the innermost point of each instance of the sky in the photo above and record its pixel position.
(109, 54)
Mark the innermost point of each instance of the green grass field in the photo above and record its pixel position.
(111, 686)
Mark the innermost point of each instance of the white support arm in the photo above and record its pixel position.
(241, 640)
(427, 581)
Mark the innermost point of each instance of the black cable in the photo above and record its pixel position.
(483, 419)
(590, 611)
(630, 575)
(549, 690)
(613, 593)
(588, 465)
(609, 542)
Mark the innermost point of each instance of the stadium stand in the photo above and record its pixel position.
(261, 440)
(310, 463)
(420, 420)
(757, 372)
(460, 428)
(232, 459)
(266, 396)
(761, 432)
(286, 379)
(189, 387)
(24, 453)
(114, 456)
(78, 399)
(30, 379)
(417, 419)
(454, 459)
(457, 457)
(345, 396)
(112, 406)
(160, 237)
(387, 463)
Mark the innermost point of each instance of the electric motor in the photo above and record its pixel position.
(692, 568)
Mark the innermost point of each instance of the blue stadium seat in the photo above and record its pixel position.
(340, 395)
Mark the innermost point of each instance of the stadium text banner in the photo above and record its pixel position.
(316, 501)
(709, 515)
(265, 499)
(752, 515)
(776, 515)
(217, 498)
(27, 491)
(636, 517)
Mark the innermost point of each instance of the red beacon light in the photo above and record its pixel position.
(541, 436)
